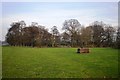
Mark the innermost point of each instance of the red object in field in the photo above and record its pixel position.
(84, 50)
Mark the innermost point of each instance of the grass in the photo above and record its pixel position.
(23, 62)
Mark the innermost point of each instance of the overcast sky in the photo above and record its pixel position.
(51, 14)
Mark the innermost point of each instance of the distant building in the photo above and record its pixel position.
(0, 43)
(4, 43)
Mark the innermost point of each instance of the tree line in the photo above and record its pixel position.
(97, 34)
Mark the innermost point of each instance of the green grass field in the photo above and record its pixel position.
(23, 62)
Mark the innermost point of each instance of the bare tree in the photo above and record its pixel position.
(97, 33)
(13, 36)
(108, 36)
(72, 26)
(32, 35)
(55, 36)
(118, 38)
(86, 36)
(65, 39)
